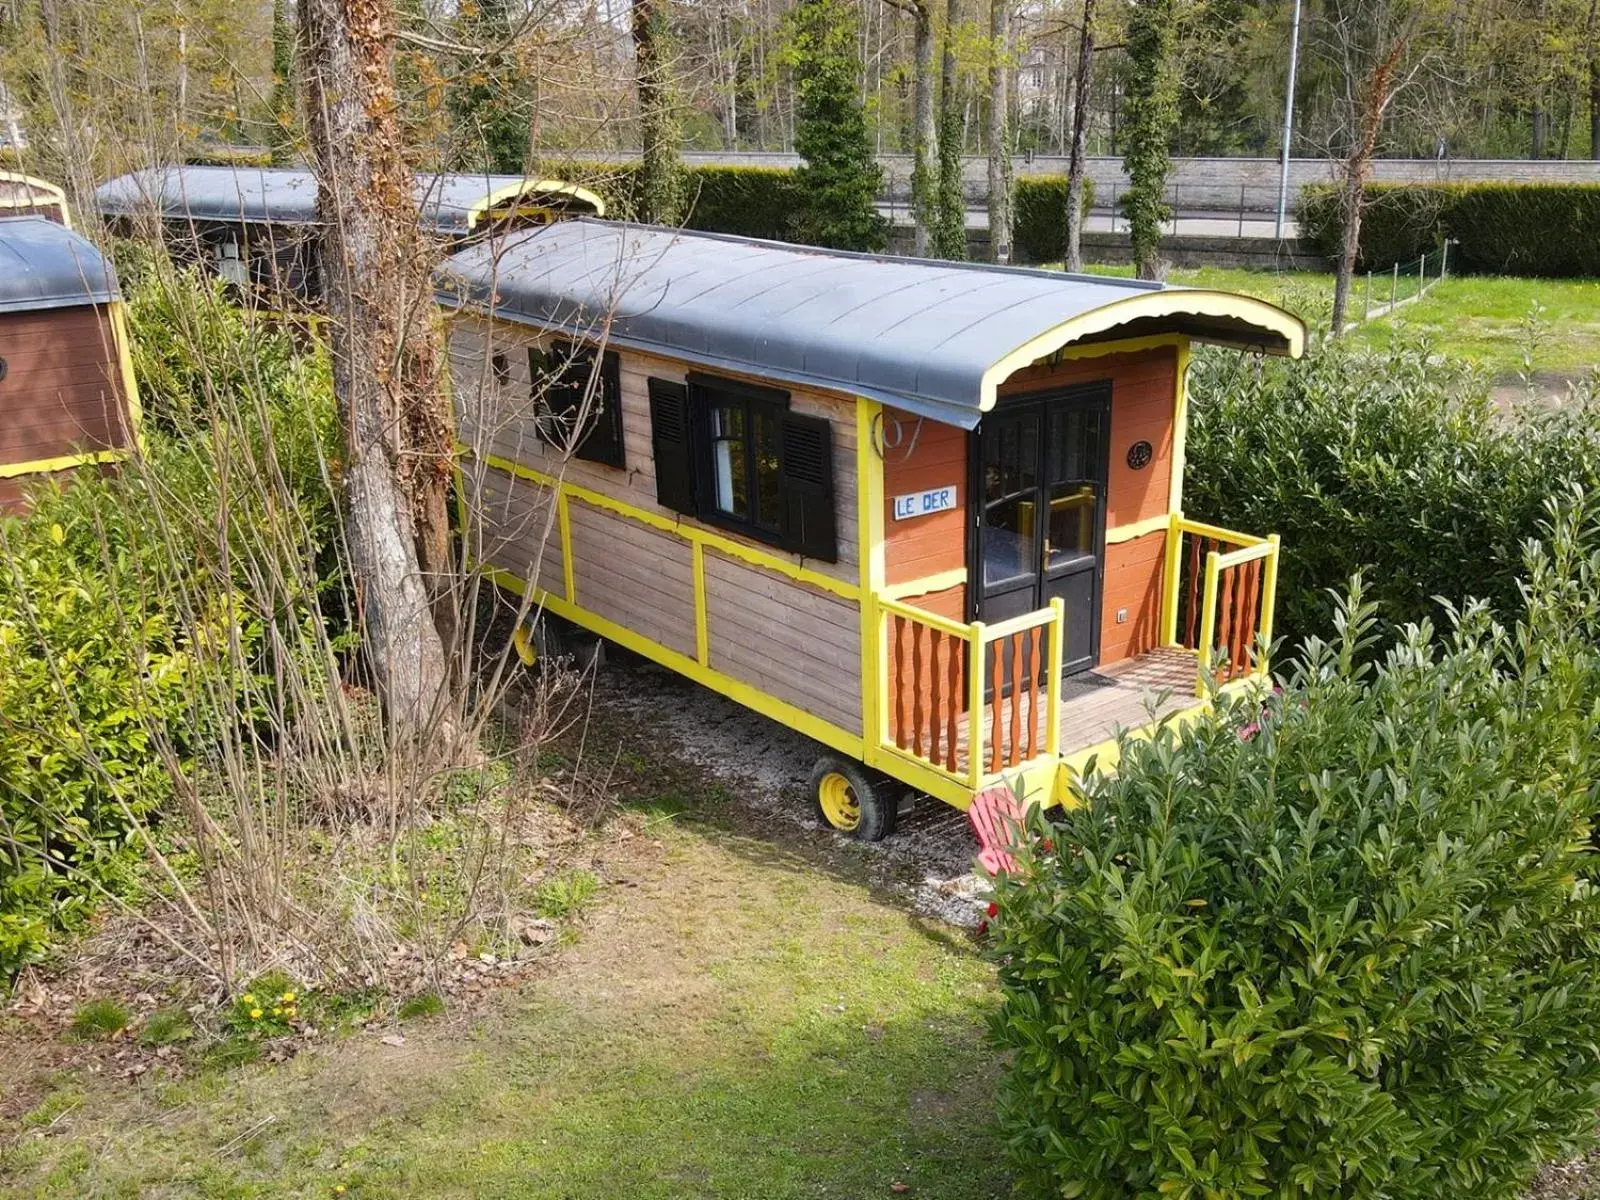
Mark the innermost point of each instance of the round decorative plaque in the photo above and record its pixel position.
(1140, 454)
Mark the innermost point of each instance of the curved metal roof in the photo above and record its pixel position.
(448, 205)
(932, 337)
(43, 264)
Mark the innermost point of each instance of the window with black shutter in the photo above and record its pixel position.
(568, 389)
(733, 454)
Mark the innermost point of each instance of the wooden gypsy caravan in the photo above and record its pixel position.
(67, 395)
(256, 226)
(928, 514)
(25, 196)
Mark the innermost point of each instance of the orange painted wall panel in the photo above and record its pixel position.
(1132, 582)
(921, 455)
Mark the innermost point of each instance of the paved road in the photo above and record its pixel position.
(1193, 224)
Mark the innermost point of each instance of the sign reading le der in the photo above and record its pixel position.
(920, 504)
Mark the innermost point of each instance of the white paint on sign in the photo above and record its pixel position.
(921, 504)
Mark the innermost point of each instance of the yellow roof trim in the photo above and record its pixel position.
(56, 194)
(527, 187)
(1168, 302)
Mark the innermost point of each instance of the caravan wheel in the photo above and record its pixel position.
(852, 800)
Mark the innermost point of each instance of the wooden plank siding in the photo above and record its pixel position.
(1133, 574)
(924, 455)
(791, 640)
(517, 522)
(62, 393)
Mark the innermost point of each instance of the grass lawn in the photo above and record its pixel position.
(738, 1019)
(1485, 319)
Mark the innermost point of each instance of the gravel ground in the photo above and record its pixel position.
(930, 855)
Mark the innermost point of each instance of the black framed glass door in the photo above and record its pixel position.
(1040, 490)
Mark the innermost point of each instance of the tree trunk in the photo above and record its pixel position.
(385, 359)
(950, 230)
(924, 150)
(1353, 191)
(1594, 79)
(661, 188)
(1080, 135)
(1000, 130)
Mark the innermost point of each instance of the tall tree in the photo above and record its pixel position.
(950, 226)
(489, 102)
(1592, 54)
(280, 132)
(386, 360)
(839, 180)
(1380, 50)
(1000, 130)
(1150, 119)
(661, 183)
(1076, 167)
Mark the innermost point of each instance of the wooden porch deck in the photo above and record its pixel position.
(1096, 703)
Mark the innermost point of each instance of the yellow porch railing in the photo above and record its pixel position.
(968, 701)
(1221, 590)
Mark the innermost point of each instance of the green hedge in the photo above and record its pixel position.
(1390, 463)
(1040, 232)
(1339, 943)
(1550, 230)
(756, 202)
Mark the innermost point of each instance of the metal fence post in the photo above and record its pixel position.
(1444, 257)
(1241, 210)
(1394, 286)
(1367, 312)
(1422, 275)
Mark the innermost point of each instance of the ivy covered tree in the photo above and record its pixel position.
(489, 106)
(840, 179)
(950, 227)
(1152, 118)
(281, 130)
(661, 181)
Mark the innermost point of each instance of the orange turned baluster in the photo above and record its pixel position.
(1192, 640)
(1015, 754)
(1035, 637)
(997, 678)
(916, 687)
(1250, 588)
(1224, 633)
(957, 649)
(936, 698)
(899, 681)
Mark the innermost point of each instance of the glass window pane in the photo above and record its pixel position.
(765, 425)
(728, 459)
(1072, 514)
(1007, 540)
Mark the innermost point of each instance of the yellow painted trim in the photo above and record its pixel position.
(975, 711)
(921, 615)
(928, 584)
(702, 617)
(64, 462)
(1153, 341)
(569, 578)
(815, 727)
(1180, 429)
(1237, 558)
(528, 187)
(1208, 619)
(1011, 625)
(1220, 534)
(679, 528)
(1058, 636)
(1137, 529)
(1169, 579)
(1269, 599)
(57, 194)
(870, 553)
(1168, 302)
(123, 345)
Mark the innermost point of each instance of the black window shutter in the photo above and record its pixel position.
(673, 444)
(806, 474)
(602, 440)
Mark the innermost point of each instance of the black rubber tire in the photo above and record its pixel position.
(876, 796)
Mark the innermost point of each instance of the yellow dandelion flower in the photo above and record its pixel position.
(255, 1014)
(248, 998)
(277, 1012)
(288, 997)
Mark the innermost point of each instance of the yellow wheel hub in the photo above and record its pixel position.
(839, 802)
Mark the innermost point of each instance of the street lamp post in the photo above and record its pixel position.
(1288, 121)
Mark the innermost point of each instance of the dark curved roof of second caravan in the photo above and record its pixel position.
(932, 337)
(43, 264)
(447, 204)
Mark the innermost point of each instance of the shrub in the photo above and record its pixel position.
(1040, 235)
(758, 202)
(100, 1018)
(1350, 955)
(1538, 229)
(1393, 463)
